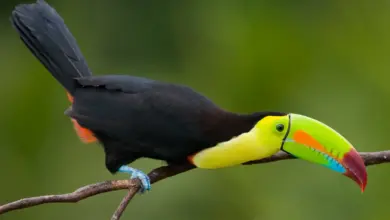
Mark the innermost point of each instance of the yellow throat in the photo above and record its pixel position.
(249, 146)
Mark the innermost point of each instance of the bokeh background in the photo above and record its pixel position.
(325, 59)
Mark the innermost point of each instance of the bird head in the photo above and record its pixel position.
(313, 141)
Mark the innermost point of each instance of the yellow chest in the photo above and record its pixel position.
(241, 149)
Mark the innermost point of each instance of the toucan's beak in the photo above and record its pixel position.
(311, 140)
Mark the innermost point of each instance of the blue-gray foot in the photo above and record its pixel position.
(145, 181)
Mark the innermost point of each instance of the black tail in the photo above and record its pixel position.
(44, 32)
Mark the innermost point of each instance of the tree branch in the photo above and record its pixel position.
(118, 213)
(370, 158)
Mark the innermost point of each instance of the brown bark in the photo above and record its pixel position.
(370, 158)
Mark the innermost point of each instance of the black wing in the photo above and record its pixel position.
(151, 118)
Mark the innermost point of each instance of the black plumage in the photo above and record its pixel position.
(132, 117)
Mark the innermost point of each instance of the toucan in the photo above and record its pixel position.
(135, 117)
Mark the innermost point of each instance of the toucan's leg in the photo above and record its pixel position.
(137, 174)
(115, 157)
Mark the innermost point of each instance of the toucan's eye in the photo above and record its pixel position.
(280, 127)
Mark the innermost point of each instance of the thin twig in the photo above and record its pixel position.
(94, 189)
(370, 158)
(156, 175)
(126, 200)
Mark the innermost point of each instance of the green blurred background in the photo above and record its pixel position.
(325, 59)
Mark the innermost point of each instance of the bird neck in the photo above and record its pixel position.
(238, 150)
(237, 142)
(224, 125)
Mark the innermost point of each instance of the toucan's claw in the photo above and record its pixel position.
(144, 178)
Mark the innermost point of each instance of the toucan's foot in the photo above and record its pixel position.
(145, 181)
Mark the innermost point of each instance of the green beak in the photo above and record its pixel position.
(311, 140)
